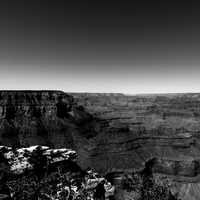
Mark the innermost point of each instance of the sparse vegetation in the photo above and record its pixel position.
(145, 188)
(51, 174)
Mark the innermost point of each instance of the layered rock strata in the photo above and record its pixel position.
(112, 133)
(49, 118)
(162, 128)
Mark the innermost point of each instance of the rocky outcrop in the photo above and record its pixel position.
(70, 180)
(49, 118)
(19, 159)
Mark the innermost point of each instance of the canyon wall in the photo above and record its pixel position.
(164, 129)
(45, 118)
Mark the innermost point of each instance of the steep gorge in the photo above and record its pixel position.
(162, 128)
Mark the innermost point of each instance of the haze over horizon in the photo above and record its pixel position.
(136, 48)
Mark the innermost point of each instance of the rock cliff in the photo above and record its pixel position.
(39, 172)
(32, 116)
(45, 118)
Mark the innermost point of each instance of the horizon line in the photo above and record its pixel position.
(89, 92)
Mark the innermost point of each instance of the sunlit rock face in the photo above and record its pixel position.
(19, 158)
(63, 161)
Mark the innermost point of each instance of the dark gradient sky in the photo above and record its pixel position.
(96, 46)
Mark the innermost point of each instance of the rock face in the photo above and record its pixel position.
(19, 158)
(45, 118)
(25, 163)
(30, 117)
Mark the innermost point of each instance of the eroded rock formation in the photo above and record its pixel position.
(45, 118)
(40, 172)
(162, 128)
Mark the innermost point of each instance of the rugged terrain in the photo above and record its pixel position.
(39, 172)
(112, 133)
(163, 129)
(45, 118)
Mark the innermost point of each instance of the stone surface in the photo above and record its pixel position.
(20, 165)
(45, 118)
(18, 159)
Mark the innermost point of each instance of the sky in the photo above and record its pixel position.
(100, 46)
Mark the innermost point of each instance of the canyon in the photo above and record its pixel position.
(115, 134)
(159, 129)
